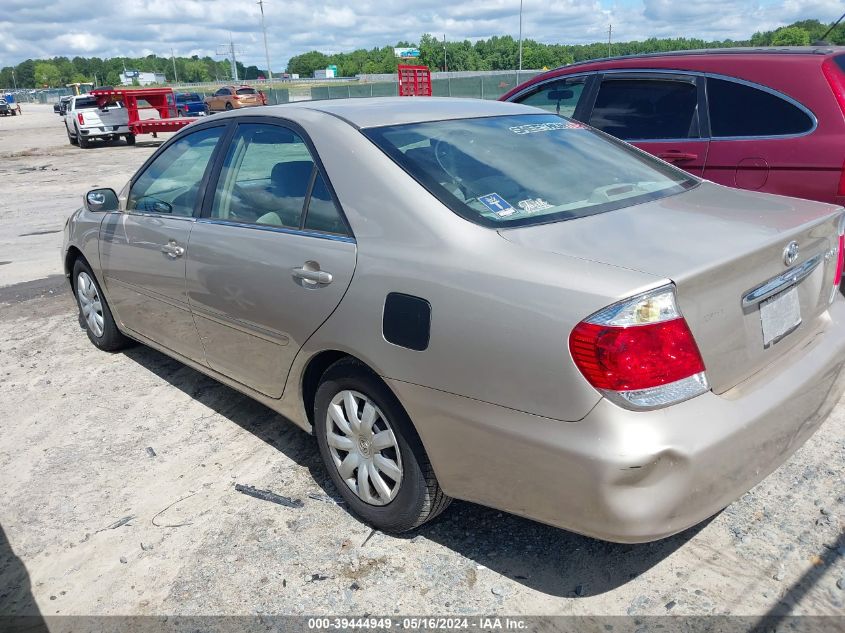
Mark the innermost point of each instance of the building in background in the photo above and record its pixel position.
(128, 77)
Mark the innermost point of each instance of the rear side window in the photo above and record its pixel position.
(738, 109)
(558, 97)
(639, 109)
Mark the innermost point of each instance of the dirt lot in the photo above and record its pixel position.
(117, 476)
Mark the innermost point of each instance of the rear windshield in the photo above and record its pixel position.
(527, 169)
(246, 91)
(86, 103)
(187, 98)
(840, 61)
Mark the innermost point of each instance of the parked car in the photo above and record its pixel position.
(6, 108)
(85, 120)
(233, 97)
(479, 300)
(60, 107)
(190, 104)
(767, 119)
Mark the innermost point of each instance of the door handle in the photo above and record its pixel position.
(311, 274)
(677, 157)
(173, 250)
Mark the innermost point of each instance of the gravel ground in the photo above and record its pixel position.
(117, 476)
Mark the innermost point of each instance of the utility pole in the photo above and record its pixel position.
(520, 35)
(266, 50)
(228, 50)
(445, 67)
(173, 57)
(609, 35)
(14, 81)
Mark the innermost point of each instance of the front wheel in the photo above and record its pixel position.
(372, 451)
(94, 313)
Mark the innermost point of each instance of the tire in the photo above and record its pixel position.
(102, 332)
(412, 500)
(82, 141)
(130, 139)
(179, 113)
(229, 105)
(14, 113)
(73, 140)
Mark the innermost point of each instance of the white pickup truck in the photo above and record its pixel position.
(85, 120)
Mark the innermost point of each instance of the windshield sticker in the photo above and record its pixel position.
(533, 128)
(497, 204)
(533, 205)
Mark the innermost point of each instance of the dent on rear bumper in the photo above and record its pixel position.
(631, 476)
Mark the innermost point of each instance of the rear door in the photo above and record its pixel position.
(758, 142)
(660, 113)
(271, 257)
(144, 248)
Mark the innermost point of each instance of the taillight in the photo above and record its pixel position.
(80, 119)
(837, 279)
(840, 191)
(640, 352)
(836, 80)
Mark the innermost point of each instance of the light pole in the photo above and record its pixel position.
(266, 50)
(520, 35)
(14, 81)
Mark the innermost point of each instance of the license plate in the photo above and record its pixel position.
(780, 316)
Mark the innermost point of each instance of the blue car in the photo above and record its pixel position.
(190, 104)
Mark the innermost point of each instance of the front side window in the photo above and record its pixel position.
(559, 97)
(527, 169)
(171, 184)
(266, 179)
(640, 109)
(741, 110)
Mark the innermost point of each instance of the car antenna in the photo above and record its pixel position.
(821, 41)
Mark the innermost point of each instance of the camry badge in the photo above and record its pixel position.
(790, 253)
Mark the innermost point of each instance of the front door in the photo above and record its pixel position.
(657, 112)
(143, 249)
(271, 257)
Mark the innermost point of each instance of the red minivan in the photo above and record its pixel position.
(767, 119)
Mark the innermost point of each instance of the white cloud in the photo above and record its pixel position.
(46, 28)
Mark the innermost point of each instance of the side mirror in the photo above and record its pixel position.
(101, 200)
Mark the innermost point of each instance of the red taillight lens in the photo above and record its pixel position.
(837, 279)
(636, 357)
(836, 78)
(80, 118)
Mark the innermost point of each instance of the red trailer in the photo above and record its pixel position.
(160, 99)
(414, 81)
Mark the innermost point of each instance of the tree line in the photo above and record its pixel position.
(495, 53)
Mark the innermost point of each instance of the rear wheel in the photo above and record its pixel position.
(82, 140)
(130, 139)
(229, 105)
(73, 140)
(94, 313)
(372, 451)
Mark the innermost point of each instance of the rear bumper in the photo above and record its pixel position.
(629, 476)
(104, 130)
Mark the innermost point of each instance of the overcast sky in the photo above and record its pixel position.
(132, 28)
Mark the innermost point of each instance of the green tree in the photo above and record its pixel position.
(791, 36)
(47, 74)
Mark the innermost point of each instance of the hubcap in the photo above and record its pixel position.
(89, 303)
(363, 448)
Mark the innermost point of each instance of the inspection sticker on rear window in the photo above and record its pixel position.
(533, 128)
(497, 204)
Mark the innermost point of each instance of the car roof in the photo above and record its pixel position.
(737, 50)
(381, 111)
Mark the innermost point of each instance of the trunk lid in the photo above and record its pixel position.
(717, 245)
